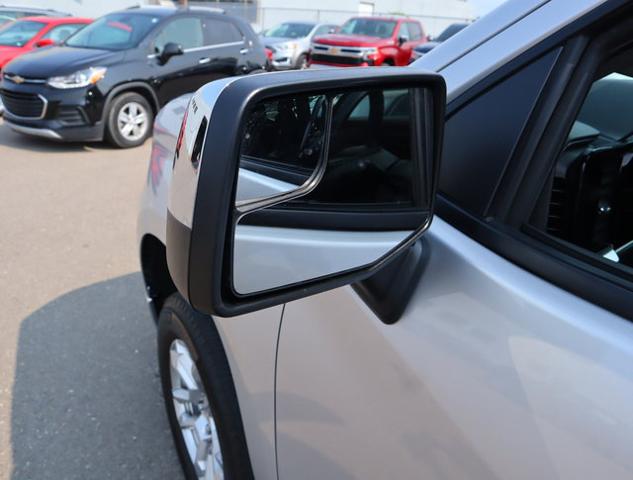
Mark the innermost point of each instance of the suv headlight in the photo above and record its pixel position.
(79, 79)
(288, 46)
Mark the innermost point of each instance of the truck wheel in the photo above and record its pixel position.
(387, 63)
(200, 397)
(130, 120)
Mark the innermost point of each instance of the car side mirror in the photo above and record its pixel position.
(288, 185)
(45, 42)
(402, 39)
(170, 50)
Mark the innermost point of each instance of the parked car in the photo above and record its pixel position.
(496, 343)
(369, 41)
(9, 13)
(109, 79)
(447, 33)
(29, 33)
(290, 42)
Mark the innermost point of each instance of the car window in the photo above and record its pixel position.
(290, 30)
(369, 26)
(323, 30)
(186, 32)
(450, 31)
(61, 32)
(221, 31)
(117, 31)
(19, 33)
(404, 31)
(415, 31)
(588, 198)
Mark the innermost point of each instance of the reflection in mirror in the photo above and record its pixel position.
(282, 146)
(373, 165)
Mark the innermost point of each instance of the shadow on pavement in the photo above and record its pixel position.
(9, 138)
(86, 398)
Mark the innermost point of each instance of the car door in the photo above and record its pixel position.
(513, 357)
(404, 50)
(173, 77)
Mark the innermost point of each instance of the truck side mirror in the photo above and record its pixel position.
(288, 185)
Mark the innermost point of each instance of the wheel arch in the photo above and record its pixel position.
(158, 282)
(141, 88)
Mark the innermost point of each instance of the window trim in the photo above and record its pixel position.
(578, 272)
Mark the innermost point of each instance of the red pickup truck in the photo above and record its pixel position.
(368, 41)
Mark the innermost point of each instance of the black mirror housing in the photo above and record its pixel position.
(170, 49)
(402, 39)
(202, 213)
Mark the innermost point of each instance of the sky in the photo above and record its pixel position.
(482, 7)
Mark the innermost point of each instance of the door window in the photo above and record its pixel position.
(415, 30)
(62, 32)
(186, 32)
(588, 197)
(404, 31)
(218, 32)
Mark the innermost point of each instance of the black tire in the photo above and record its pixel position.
(387, 63)
(302, 62)
(113, 135)
(178, 320)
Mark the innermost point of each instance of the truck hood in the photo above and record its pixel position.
(342, 40)
(56, 61)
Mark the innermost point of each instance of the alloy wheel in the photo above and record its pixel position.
(132, 121)
(194, 414)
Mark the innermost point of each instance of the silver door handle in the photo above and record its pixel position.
(204, 60)
(244, 51)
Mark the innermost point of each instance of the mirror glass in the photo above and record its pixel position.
(282, 145)
(323, 163)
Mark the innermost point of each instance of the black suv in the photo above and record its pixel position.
(109, 79)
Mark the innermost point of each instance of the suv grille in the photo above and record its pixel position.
(319, 57)
(25, 105)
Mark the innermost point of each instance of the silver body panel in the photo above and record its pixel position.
(492, 372)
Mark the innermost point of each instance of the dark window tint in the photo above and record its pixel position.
(480, 137)
(19, 33)
(186, 32)
(221, 31)
(588, 198)
(62, 32)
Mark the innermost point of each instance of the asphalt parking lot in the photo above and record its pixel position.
(79, 389)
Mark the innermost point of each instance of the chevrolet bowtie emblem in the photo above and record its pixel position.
(16, 79)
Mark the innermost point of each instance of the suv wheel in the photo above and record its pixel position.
(130, 120)
(302, 62)
(200, 397)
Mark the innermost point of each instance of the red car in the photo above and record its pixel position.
(29, 33)
(368, 41)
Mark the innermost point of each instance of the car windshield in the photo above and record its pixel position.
(19, 33)
(290, 30)
(450, 31)
(369, 26)
(118, 31)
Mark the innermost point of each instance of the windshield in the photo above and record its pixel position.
(118, 31)
(450, 31)
(369, 26)
(19, 33)
(289, 30)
